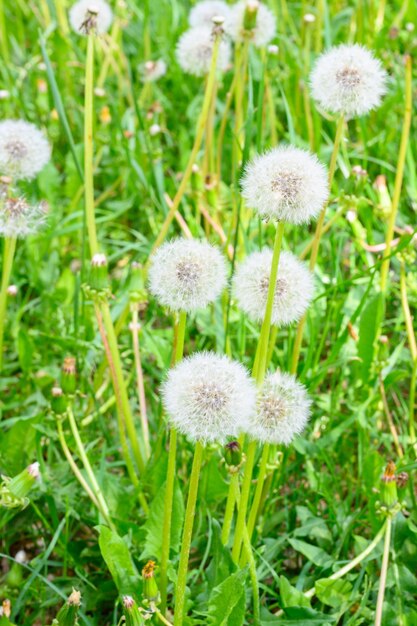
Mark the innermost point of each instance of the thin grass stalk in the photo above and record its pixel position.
(8, 256)
(399, 175)
(4, 41)
(383, 575)
(211, 80)
(135, 329)
(254, 511)
(87, 466)
(170, 479)
(187, 535)
(230, 507)
(88, 145)
(62, 17)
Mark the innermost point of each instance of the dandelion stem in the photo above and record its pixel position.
(8, 256)
(251, 561)
(230, 506)
(208, 95)
(170, 479)
(187, 534)
(383, 576)
(87, 466)
(88, 145)
(399, 175)
(75, 469)
(316, 240)
(120, 386)
(259, 490)
(140, 381)
(243, 501)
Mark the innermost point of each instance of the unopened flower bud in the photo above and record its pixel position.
(21, 484)
(309, 18)
(150, 588)
(68, 376)
(6, 608)
(154, 130)
(12, 291)
(389, 486)
(233, 454)
(98, 273)
(58, 401)
(273, 50)
(137, 291)
(131, 611)
(67, 615)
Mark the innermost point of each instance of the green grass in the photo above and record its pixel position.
(323, 501)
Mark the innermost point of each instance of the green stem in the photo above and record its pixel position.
(3, 31)
(87, 466)
(75, 469)
(383, 575)
(170, 479)
(230, 506)
(259, 490)
(399, 175)
(62, 17)
(211, 80)
(88, 146)
(120, 386)
(140, 382)
(187, 534)
(316, 240)
(243, 501)
(251, 561)
(8, 256)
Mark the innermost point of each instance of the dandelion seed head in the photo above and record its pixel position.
(286, 184)
(208, 397)
(195, 51)
(18, 218)
(80, 11)
(186, 274)
(293, 293)
(265, 27)
(152, 71)
(283, 409)
(202, 13)
(24, 149)
(348, 80)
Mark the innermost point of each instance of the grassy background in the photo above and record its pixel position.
(322, 503)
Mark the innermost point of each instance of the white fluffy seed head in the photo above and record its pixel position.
(283, 409)
(153, 70)
(208, 397)
(195, 51)
(187, 274)
(293, 293)
(286, 184)
(202, 13)
(20, 219)
(348, 79)
(264, 30)
(24, 149)
(80, 11)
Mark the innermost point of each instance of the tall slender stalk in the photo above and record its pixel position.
(399, 175)
(187, 535)
(88, 145)
(316, 240)
(230, 507)
(383, 575)
(170, 479)
(8, 256)
(208, 95)
(253, 514)
(135, 328)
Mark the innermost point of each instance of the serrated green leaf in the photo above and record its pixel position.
(227, 601)
(312, 553)
(334, 593)
(117, 557)
(290, 596)
(295, 616)
(221, 564)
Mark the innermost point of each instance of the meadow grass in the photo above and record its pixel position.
(320, 532)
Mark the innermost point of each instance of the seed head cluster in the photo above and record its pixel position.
(293, 292)
(209, 397)
(24, 150)
(283, 409)
(19, 218)
(202, 13)
(86, 14)
(348, 80)
(195, 51)
(265, 26)
(286, 184)
(186, 275)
